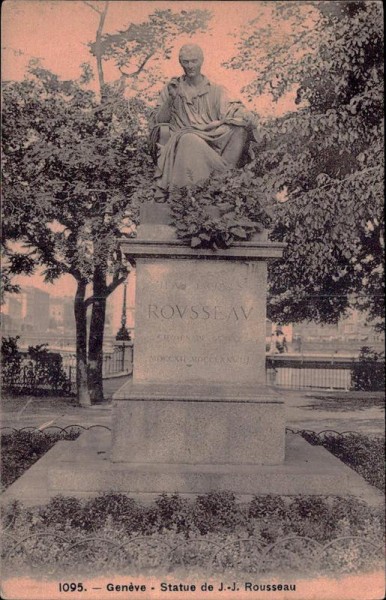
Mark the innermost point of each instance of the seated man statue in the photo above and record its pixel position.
(196, 129)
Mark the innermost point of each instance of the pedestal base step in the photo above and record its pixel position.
(189, 424)
(83, 469)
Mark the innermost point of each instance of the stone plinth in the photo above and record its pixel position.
(200, 321)
(200, 314)
(198, 395)
(215, 425)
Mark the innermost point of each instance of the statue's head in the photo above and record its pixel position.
(191, 58)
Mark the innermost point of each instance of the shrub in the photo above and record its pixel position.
(61, 512)
(369, 373)
(47, 369)
(174, 512)
(124, 511)
(311, 516)
(36, 372)
(217, 511)
(11, 360)
(267, 507)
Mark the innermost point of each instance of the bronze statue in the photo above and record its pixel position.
(196, 128)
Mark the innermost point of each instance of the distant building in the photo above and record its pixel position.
(62, 314)
(56, 313)
(12, 315)
(26, 314)
(15, 308)
(68, 315)
(347, 336)
(7, 325)
(36, 309)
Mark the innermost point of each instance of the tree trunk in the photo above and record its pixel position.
(98, 313)
(80, 312)
(95, 344)
(98, 49)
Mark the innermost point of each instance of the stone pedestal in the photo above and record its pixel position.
(198, 395)
(187, 424)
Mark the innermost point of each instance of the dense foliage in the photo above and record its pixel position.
(10, 359)
(217, 213)
(70, 166)
(267, 516)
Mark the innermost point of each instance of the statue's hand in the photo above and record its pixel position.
(253, 121)
(172, 87)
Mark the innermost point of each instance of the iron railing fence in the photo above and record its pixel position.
(54, 553)
(76, 426)
(58, 373)
(306, 372)
(117, 362)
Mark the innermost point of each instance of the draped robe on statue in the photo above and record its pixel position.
(207, 134)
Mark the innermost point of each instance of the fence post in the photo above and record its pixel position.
(125, 349)
(123, 357)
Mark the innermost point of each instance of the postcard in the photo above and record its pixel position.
(192, 301)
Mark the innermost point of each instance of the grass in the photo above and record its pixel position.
(364, 454)
(11, 403)
(21, 449)
(348, 402)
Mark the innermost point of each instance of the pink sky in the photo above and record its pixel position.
(57, 31)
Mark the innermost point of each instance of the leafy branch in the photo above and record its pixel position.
(217, 213)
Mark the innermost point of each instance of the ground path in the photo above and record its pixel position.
(316, 411)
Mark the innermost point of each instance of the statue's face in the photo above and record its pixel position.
(191, 61)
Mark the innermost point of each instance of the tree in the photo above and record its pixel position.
(71, 169)
(100, 270)
(320, 168)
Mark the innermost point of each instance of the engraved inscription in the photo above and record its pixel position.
(208, 283)
(189, 360)
(169, 337)
(175, 311)
(199, 320)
